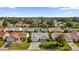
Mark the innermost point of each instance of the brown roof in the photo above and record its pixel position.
(2, 29)
(18, 35)
(2, 34)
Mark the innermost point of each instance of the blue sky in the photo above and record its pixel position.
(39, 11)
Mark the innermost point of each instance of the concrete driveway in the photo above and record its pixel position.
(69, 41)
(34, 46)
(73, 46)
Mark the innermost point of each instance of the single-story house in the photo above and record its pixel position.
(9, 39)
(6, 35)
(69, 29)
(2, 29)
(55, 30)
(76, 36)
(30, 29)
(41, 30)
(13, 29)
(19, 36)
(39, 37)
(1, 35)
(55, 35)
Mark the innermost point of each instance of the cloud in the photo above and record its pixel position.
(69, 8)
(12, 7)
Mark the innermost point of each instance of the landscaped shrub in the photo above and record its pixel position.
(48, 45)
(66, 47)
(60, 38)
(1, 43)
(50, 37)
(74, 40)
(60, 44)
(52, 45)
(29, 38)
(43, 44)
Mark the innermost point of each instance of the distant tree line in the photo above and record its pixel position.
(44, 22)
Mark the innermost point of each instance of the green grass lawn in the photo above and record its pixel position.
(66, 47)
(76, 30)
(44, 45)
(1, 43)
(77, 44)
(20, 46)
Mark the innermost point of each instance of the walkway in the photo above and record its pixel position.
(34, 46)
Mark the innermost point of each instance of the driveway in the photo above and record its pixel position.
(34, 46)
(68, 38)
(73, 46)
(70, 42)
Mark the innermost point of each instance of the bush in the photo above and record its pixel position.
(1, 43)
(60, 38)
(48, 45)
(61, 44)
(24, 45)
(66, 47)
(43, 44)
(74, 40)
(19, 46)
(29, 39)
(52, 45)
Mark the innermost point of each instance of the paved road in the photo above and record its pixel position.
(34, 46)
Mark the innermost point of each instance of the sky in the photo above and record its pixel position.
(39, 11)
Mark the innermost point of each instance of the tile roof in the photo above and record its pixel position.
(18, 35)
(2, 34)
(2, 29)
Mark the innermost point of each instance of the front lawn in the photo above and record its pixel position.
(58, 44)
(76, 42)
(54, 46)
(19, 46)
(1, 43)
(66, 47)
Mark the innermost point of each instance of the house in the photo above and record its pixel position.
(68, 30)
(55, 30)
(13, 29)
(51, 30)
(19, 36)
(1, 35)
(25, 25)
(9, 39)
(6, 35)
(41, 29)
(9, 24)
(2, 29)
(55, 35)
(39, 37)
(19, 24)
(58, 30)
(30, 29)
(59, 23)
(76, 36)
